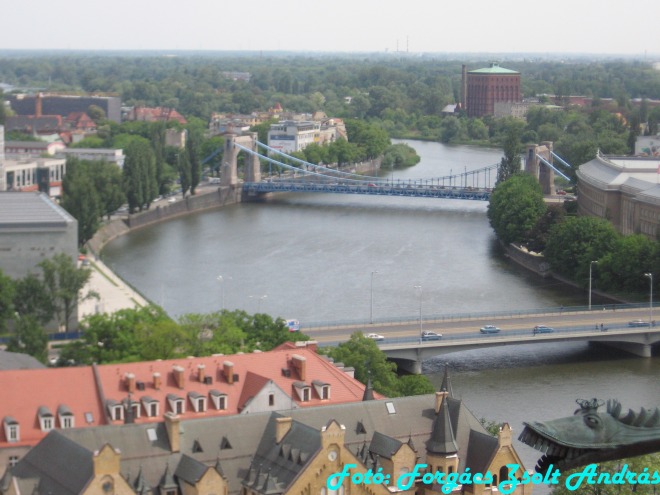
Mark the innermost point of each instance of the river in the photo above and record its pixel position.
(315, 258)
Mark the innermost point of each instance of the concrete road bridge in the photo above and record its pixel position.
(403, 345)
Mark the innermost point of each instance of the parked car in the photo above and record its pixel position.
(639, 323)
(375, 336)
(542, 329)
(428, 335)
(489, 329)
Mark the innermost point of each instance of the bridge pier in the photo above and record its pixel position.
(229, 169)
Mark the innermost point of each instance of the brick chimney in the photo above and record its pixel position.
(177, 372)
(172, 425)
(37, 105)
(228, 371)
(282, 427)
(157, 380)
(299, 364)
(129, 380)
(201, 372)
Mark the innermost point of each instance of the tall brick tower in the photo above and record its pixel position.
(485, 87)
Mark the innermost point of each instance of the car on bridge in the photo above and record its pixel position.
(428, 335)
(639, 323)
(375, 336)
(542, 329)
(489, 329)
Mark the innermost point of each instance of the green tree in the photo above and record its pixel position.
(64, 281)
(29, 338)
(399, 156)
(139, 174)
(6, 300)
(515, 207)
(81, 199)
(622, 268)
(575, 242)
(414, 385)
(369, 362)
(510, 164)
(31, 298)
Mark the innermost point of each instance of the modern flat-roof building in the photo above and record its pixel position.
(623, 190)
(33, 228)
(483, 88)
(98, 154)
(64, 105)
(292, 135)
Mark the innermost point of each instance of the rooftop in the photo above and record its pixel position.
(26, 209)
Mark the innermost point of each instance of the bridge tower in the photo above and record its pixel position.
(535, 167)
(229, 170)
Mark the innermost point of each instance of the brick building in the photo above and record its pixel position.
(483, 88)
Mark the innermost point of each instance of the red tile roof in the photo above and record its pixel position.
(90, 389)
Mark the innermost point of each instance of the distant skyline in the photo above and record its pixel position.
(416, 26)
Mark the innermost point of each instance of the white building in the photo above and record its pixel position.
(289, 136)
(98, 154)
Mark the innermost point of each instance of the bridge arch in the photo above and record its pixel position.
(229, 169)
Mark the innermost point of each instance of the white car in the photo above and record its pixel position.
(375, 336)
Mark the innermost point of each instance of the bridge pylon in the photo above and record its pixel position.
(229, 169)
(533, 165)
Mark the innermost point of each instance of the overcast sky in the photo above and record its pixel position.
(447, 26)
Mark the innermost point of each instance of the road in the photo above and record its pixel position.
(455, 327)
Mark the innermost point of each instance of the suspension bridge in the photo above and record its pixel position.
(290, 174)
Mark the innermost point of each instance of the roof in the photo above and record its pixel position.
(23, 209)
(18, 361)
(250, 454)
(89, 391)
(494, 68)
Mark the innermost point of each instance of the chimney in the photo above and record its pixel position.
(156, 376)
(201, 372)
(439, 398)
(172, 425)
(282, 427)
(178, 371)
(37, 105)
(299, 364)
(129, 379)
(504, 436)
(228, 371)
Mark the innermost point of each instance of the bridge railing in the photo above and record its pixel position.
(474, 315)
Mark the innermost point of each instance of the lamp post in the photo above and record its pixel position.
(259, 299)
(221, 279)
(650, 276)
(371, 313)
(591, 264)
(420, 308)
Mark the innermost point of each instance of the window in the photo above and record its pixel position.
(13, 460)
(116, 412)
(47, 424)
(219, 400)
(13, 433)
(66, 421)
(271, 399)
(151, 406)
(46, 419)
(177, 404)
(197, 401)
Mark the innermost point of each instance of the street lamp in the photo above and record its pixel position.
(221, 279)
(371, 314)
(591, 264)
(420, 308)
(259, 299)
(650, 276)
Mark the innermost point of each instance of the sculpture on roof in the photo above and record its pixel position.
(590, 436)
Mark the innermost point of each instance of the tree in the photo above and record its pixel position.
(575, 242)
(31, 298)
(369, 362)
(29, 338)
(515, 207)
(510, 164)
(64, 281)
(6, 300)
(399, 156)
(140, 181)
(80, 198)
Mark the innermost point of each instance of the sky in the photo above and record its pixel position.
(415, 26)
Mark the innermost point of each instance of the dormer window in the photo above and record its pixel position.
(12, 429)
(46, 419)
(303, 390)
(65, 416)
(115, 410)
(322, 389)
(220, 401)
(198, 401)
(134, 405)
(151, 407)
(176, 403)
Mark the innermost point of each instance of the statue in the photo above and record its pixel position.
(590, 436)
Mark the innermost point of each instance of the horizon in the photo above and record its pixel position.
(418, 27)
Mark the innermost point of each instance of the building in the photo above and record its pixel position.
(64, 105)
(623, 190)
(33, 228)
(302, 451)
(32, 149)
(96, 154)
(483, 88)
(289, 377)
(647, 146)
(289, 136)
(155, 114)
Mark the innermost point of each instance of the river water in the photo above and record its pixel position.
(315, 258)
